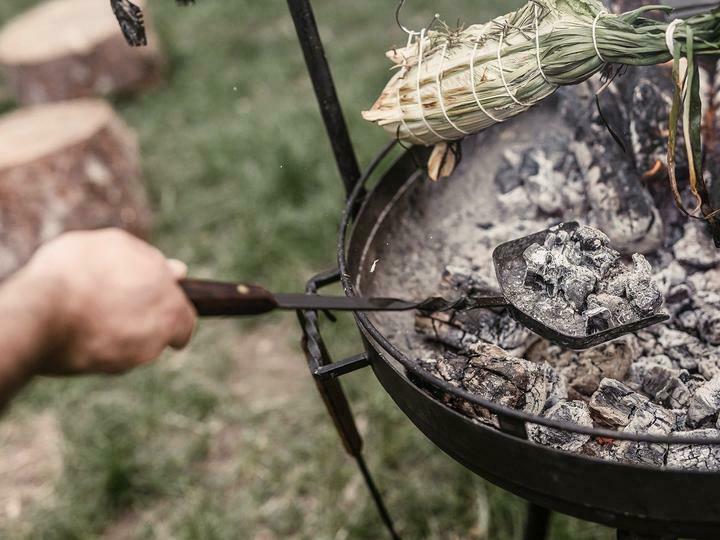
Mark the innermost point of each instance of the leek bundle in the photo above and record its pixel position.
(451, 83)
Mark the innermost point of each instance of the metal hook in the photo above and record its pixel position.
(397, 19)
(412, 33)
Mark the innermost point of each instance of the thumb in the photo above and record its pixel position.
(178, 269)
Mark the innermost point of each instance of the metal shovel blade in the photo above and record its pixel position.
(557, 321)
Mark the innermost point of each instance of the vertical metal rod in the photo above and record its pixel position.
(627, 535)
(325, 92)
(379, 503)
(335, 400)
(537, 522)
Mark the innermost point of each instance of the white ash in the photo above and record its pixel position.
(583, 370)
(617, 405)
(695, 456)
(705, 404)
(614, 403)
(651, 421)
(696, 248)
(505, 181)
(576, 412)
(488, 372)
(661, 382)
(460, 330)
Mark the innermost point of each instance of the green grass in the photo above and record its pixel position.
(244, 186)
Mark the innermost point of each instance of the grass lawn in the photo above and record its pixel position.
(229, 438)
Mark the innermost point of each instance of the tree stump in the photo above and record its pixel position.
(64, 166)
(65, 49)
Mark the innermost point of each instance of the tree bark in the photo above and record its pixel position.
(65, 49)
(72, 165)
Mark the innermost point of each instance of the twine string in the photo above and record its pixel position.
(502, 71)
(474, 88)
(670, 43)
(419, 97)
(537, 44)
(441, 99)
(670, 35)
(411, 37)
(594, 35)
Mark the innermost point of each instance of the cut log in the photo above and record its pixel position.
(63, 166)
(66, 49)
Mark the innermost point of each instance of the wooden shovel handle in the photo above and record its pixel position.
(219, 299)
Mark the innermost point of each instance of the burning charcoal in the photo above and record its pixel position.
(680, 419)
(641, 288)
(619, 203)
(439, 327)
(638, 286)
(448, 366)
(547, 175)
(514, 382)
(491, 373)
(695, 456)
(652, 421)
(578, 279)
(516, 202)
(617, 405)
(599, 319)
(575, 412)
(696, 247)
(621, 312)
(640, 366)
(664, 385)
(601, 448)
(614, 403)
(670, 276)
(460, 329)
(465, 282)
(702, 315)
(451, 368)
(512, 171)
(687, 351)
(583, 370)
(548, 186)
(705, 403)
(648, 124)
(621, 207)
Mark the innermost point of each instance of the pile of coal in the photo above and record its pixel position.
(663, 380)
(579, 272)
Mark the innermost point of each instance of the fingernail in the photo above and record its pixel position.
(178, 268)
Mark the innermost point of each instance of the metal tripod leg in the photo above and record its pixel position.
(537, 522)
(326, 378)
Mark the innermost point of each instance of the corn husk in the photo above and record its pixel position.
(451, 83)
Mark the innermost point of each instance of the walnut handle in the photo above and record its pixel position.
(219, 299)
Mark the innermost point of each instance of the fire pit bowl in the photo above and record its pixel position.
(395, 238)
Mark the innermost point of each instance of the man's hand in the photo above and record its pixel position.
(91, 302)
(115, 302)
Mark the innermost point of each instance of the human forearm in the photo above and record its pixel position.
(89, 303)
(26, 331)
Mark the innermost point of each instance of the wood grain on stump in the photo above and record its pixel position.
(64, 49)
(65, 166)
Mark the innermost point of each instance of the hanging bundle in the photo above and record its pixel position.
(451, 83)
(130, 18)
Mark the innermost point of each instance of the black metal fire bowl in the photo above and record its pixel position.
(636, 498)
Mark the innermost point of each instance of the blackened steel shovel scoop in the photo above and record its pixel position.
(218, 299)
